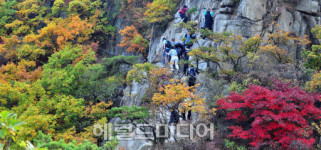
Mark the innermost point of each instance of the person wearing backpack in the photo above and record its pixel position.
(182, 12)
(167, 47)
(188, 39)
(180, 50)
(208, 14)
(174, 59)
(192, 75)
(174, 117)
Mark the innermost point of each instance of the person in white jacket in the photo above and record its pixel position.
(174, 59)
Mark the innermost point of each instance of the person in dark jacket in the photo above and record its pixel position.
(182, 12)
(180, 50)
(209, 19)
(174, 118)
(192, 75)
(167, 47)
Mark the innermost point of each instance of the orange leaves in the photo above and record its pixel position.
(133, 40)
(178, 93)
(24, 70)
(59, 33)
(10, 44)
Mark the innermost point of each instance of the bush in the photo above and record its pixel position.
(277, 118)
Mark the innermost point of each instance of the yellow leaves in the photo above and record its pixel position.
(178, 93)
(14, 24)
(282, 38)
(159, 11)
(317, 31)
(315, 83)
(98, 110)
(61, 32)
(278, 53)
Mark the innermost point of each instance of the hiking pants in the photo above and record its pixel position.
(184, 17)
(174, 60)
(189, 115)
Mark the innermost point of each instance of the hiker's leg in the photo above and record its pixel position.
(185, 69)
(176, 63)
(172, 63)
(183, 115)
(189, 115)
(185, 18)
(164, 58)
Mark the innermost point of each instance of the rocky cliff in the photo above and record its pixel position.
(246, 18)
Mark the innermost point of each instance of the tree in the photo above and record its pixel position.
(278, 41)
(63, 70)
(313, 56)
(277, 118)
(45, 141)
(224, 52)
(9, 126)
(314, 85)
(60, 33)
(133, 40)
(178, 93)
(160, 11)
(7, 13)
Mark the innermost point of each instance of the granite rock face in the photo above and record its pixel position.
(247, 18)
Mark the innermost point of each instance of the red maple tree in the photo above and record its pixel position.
(277, 118)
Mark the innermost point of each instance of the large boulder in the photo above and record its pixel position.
(308, 6)
(253, 9)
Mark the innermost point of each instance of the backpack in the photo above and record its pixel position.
(168, 44)
(178, 51)
(182, 10)
(192, 72)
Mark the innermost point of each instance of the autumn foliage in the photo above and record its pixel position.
(178, 93)
(60, 32)
(133, 40)
(279, 118)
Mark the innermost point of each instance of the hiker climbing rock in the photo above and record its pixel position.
(167, 47)
(182, 12)
(188, 40)
(180, 50)
(192, 75)
(208, 14)
(173, 59)
(174, 118)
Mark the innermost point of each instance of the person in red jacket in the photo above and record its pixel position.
(182, 12)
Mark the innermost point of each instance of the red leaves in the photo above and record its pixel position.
(280, 116)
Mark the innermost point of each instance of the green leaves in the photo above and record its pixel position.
(9, 126)
(131, 113)
(313, 56)
(3, 133)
